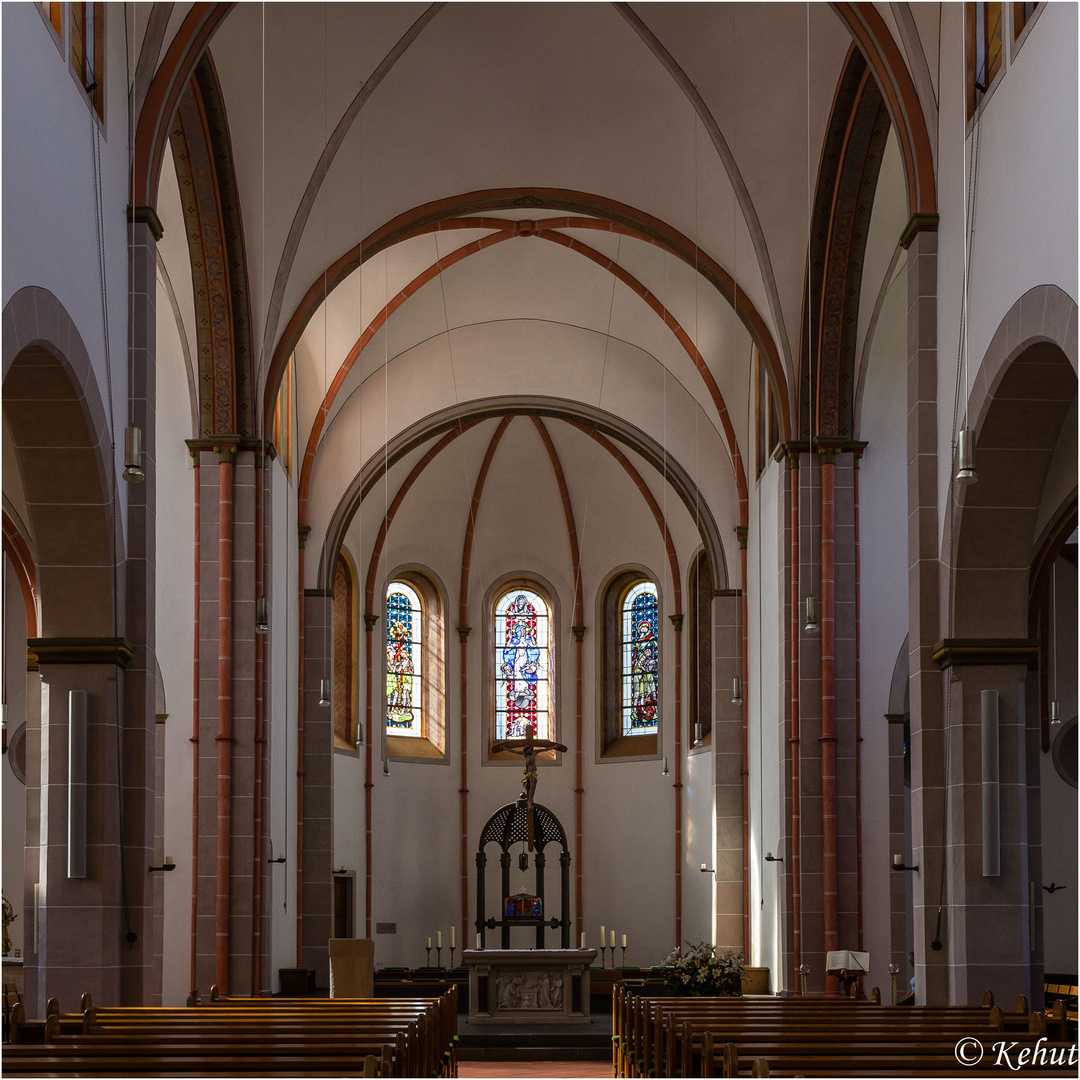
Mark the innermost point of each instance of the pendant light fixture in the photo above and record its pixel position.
(1055, 716)
(965, 467)
(262, 620)
(133, 472)
(965, 443)
(326, 684)
(736, 682)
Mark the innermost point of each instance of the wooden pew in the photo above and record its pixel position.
(253, 1037)
(678, 1036)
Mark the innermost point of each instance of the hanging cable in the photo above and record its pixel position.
(326, 683)
(811, 626)
(114, 496)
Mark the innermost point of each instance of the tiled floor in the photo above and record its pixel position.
(533, 1070)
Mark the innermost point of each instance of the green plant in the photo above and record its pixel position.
(704, 970)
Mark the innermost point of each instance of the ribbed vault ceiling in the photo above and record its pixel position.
(705, 120)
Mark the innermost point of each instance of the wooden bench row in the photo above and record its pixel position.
(824, 1036)
(244, 1037)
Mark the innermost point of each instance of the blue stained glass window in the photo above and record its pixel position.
(404, 666)
(640, 661)
(521, 665)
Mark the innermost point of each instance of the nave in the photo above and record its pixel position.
(690, 389)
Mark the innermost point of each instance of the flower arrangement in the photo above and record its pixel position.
(705, 971)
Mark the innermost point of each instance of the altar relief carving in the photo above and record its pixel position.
(529, 990)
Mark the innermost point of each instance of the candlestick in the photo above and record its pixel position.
(428, 950)
(451, 957)
(438, 956)
(624, 951)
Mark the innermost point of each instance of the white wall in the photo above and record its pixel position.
(49, 201)
(766, 722)
(1024, 207)
(175, 599)
(884, 599)
(281, 706)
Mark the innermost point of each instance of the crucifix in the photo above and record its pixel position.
(528, 748)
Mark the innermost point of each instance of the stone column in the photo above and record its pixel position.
(224, 921)
(83, 926)
(727, 771)
(927, 746)
(789, 779)
(317, 801)
(139, 610)
(810, 690)
(1006, 898)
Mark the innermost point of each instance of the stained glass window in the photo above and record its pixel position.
(404, 661)
(640, 661)
(522, 665)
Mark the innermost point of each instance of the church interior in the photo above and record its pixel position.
(657, 417)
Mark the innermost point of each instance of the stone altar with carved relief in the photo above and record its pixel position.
(528, 986)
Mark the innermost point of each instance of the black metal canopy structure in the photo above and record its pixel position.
(506, 827)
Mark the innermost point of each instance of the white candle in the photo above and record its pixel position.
(624, 941)
(429, 943)
(453, 943)
(603, 937)
(613, 939)
(438, 939)
(478, 944)
(583, 939)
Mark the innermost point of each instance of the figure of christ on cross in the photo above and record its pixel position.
(528, 748)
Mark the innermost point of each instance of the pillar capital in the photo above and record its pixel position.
(146, 215)
(918, 223)
(79, 650)
(966, 652)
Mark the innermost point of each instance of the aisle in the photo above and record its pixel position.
(534, 1070)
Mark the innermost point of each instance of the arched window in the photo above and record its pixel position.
(522, 664)
(414, 701)
(640, 660)
(344, 655)
(631, 663)
(404, 660)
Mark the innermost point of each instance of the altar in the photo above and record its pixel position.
(528, 986)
